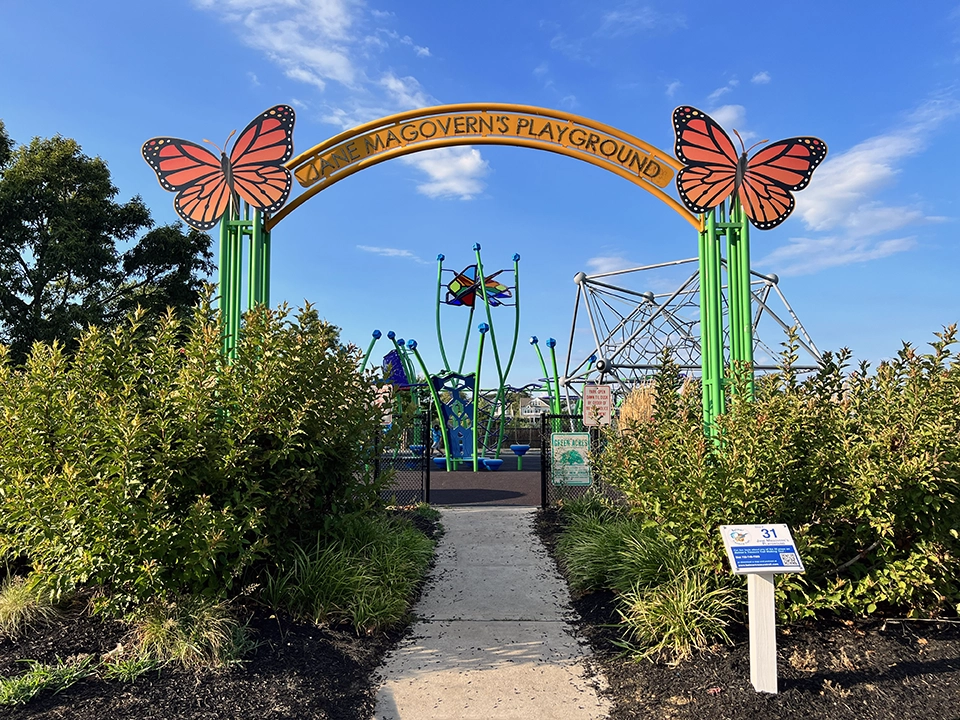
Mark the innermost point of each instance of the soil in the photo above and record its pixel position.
(297, 671)
(895, 669)
(830, 669)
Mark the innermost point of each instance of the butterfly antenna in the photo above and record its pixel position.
(214, 144)
(740, 139)
(760, 142)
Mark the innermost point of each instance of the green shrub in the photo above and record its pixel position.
(190, 631)
(864, 468)
(364, 573)
(145, 464)
(673, 619)
(22, 607)
(21, 689)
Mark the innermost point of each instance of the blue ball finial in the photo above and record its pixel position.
(412, 344)
(377, 334)
(483, 327)
(441, 257)
(400, 342)
(551, 343)
(593, 358)
(391, 334)
(516, 257)
(476, 246)
(534, 340)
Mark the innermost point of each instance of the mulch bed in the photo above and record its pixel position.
(831, 670)
(903, 670)
(297, 671)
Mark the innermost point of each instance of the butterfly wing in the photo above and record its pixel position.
(195, 174)
(257, 158)
(773, 174)
(710, 157)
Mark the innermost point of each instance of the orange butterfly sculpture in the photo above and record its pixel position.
(714, 171)
(205, 183)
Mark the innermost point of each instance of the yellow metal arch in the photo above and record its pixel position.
(484, 124)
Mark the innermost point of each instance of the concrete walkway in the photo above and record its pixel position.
(492, 639)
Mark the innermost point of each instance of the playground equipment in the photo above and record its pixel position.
(472, 418)
(722, 192)
(631, 326)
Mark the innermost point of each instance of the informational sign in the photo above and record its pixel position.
(570, 458)
(597, 404)
(761, 549)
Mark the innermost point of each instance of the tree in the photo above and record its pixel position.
(61, 230)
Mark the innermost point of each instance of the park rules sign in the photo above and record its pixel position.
(597, 405)
(570, 458)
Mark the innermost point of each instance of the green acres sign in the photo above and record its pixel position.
(570, 458)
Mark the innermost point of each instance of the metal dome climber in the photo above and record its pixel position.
(630, 325)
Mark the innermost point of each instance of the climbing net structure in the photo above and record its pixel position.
(631, 325)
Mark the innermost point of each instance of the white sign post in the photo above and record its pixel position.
(759, 552)
(597, 405)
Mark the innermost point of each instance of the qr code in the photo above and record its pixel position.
(789, 560)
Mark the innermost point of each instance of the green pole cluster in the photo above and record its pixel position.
(236, 225)
(736, 230)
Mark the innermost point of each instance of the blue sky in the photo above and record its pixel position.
(869, 257)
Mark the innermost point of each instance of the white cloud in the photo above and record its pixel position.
(733, 117)
(761, 78)
(803, 256)
(309, 39)
(719, 92)
(253, 79)
(326, 42)
(541, 69)
(454, 172)
(630, 18)
(841, 200)
(841, 195)
(392, 252)
(609, 263)
(672, 87)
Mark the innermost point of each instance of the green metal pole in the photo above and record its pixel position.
(516, 327)
(746, 305)
(711, 328)
(552, 344)
(253, 265)
(223, 281)
(546, 375)
(266, 267)
(502, 393)
(256, 260)
(376, 336)
(237, 275)
(466, 339)
(483, 328)
(483, 292)
(443, 353)
(733, 278)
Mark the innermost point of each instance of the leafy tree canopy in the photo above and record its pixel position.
(69, 253)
